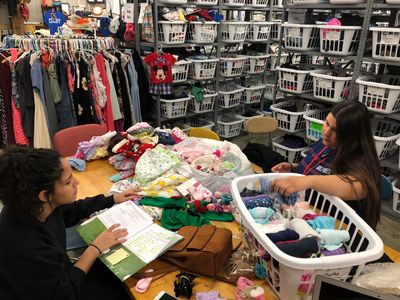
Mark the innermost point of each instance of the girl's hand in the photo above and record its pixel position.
(288, 185)
(283, 167)
(124, 196)
(110, 237)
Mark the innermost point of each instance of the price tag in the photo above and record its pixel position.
(332, 35)
(240, 29)
(264, 29)
(390, 39)
(178, 69)
(371, 90)
(260, 62)
(288, 77)
(294, 32)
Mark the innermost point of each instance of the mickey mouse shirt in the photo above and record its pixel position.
(160, 67)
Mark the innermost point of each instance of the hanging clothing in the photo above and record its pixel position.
(108, 109)
(5, 87)
(65, 109)
(25, 90)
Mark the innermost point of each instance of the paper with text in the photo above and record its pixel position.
(151, 242)
(129, 215)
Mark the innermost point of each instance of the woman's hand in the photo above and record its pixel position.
(283, 167)
(124, 196)
(110, 237)
(288, 185)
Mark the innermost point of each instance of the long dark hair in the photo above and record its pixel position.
(356, 155)
(24, 173)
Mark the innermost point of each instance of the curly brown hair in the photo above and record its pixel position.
(24, 173)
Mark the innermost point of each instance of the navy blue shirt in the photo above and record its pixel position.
(318, 160)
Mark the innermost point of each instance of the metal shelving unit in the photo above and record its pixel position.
(218, 45)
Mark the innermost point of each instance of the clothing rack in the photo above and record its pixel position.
(60, 43)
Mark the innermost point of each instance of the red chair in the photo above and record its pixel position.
(66, 141)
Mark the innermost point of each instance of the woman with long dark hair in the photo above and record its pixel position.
(38, 191)
(346, 156)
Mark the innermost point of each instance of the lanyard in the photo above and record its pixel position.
(313, 162)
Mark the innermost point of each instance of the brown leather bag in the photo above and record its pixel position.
(203, 250)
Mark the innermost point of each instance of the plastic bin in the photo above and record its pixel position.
(204, 106)
(291, 121)
(204, 2)
(232, 66)
(380, 93)
(255, 64)
(197, 122)
(202, 69)
(258, 31)
(173, 1)
(286, 273)
(257, 3)
(339, 40)
(396, 196)
(315, 119)
(252, 94)
(174, 108)
(272, 62)
(386, 43)
(275, 32)
(180, 71)
(299, 2)
(231, 98)
(295, 81)
(385, 133)
(201, 32)
(292, 155)
(301, 37)
(229, 125)
(234, 32)
(172, 32)
(234, 2)
(330, 87)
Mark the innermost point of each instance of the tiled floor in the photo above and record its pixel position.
(389, 227)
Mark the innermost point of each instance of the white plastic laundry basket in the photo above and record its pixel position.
(386, 43)
(174, 108)
(295, 81)
(315, 119)
(258, 31)
(380, 93)
(396, 196)
(197, 122)
(202, 68)
(230, 98)
(234, 2)
(203, 2)
(257, 3)
(201, 32)
(292, 155)
(290, 114)
(385, 133)
(300, 37)
(330, 87)
(206, 105)
(229, 125)
(275, 32)
(252, 94)
(172, 32)
(180, 71)
(232, 66)
(233, 31)
(273, 61)
(287, 274)
(339, 40)
(255, 64)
